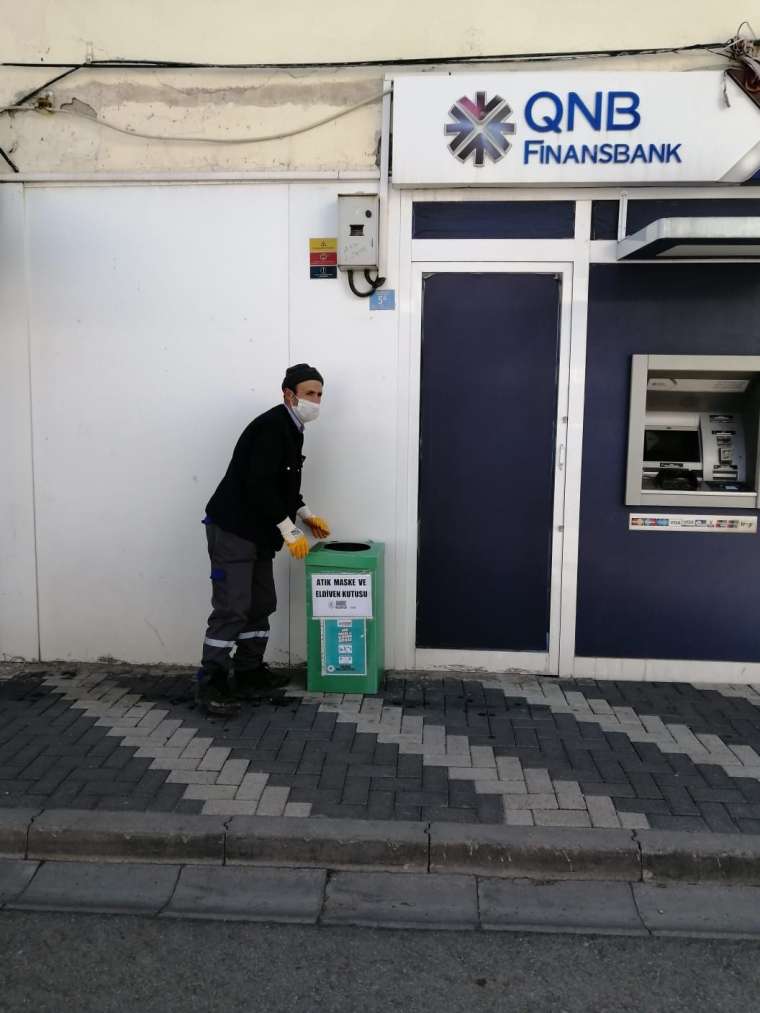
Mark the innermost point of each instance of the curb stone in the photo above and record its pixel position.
(71, 834)
(14, 831)
(338, 844)
(533, 853)
(697, 857)
(485, 850)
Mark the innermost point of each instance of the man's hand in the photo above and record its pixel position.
(294, 539)
(318, 525)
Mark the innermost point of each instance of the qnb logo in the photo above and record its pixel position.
(480, 128)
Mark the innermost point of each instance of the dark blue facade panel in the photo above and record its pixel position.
(486, 487)
(677, 595)
(551, 219)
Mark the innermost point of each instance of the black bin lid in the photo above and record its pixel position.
(347, 546)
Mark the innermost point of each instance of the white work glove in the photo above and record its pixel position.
(294, 538)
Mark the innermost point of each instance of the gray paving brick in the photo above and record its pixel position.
(273, 801)
(232, 772)
(658, 821)
(717, 818)
(561, 818)
(544, 802)
(214, 758)
(602, 812)
(569, 795)
(680, 801)
(229, 807)
(633, 821)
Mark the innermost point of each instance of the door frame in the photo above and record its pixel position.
(422, 659)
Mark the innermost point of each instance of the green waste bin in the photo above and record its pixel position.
(344, 608)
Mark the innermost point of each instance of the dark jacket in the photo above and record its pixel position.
(262, 485)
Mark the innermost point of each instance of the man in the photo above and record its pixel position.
(251, 514)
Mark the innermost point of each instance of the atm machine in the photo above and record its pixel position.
(693, 431)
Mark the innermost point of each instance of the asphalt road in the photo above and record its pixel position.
(105, 964)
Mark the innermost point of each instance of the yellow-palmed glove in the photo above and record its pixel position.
(294, 538)
(299, 549)
(318, 525)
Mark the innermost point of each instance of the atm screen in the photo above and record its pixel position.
(672, 445)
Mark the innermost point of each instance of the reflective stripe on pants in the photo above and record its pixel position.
(243, 597)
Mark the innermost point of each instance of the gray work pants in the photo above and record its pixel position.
(243, 598)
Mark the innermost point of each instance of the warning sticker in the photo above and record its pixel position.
(339, 595)
(344, 647)
(692, 522)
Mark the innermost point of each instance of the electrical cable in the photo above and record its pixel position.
(200, 140)
(579, 54)
(7, 158)
(25, 98)
(373, 284)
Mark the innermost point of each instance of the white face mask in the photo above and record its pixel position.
(307, 411)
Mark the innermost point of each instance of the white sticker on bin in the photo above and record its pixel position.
(339, 595)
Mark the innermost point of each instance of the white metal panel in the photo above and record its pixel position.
(350, 470)
(18, 593)
(665, 670)
(451, 661)
(159, 329)
(575, 414)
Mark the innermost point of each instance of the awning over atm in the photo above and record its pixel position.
(694, 238)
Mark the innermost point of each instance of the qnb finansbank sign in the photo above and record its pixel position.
(575, 128)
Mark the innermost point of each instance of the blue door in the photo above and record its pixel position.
(489, 386)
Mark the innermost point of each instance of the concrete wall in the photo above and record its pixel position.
(226, 104)
(161, 319)
(251, 31)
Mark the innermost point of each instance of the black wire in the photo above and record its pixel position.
(373, 285)
(42, 87)
(9, 160)
(31, 94)
(355, 290)
(391, 62)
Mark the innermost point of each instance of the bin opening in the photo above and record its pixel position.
(347, 546)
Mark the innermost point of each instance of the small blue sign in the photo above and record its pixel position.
(383, 299)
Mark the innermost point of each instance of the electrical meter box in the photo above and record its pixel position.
(693, 431)
(344, 608)
(358, 229)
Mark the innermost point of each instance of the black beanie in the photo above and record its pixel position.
(299, 374)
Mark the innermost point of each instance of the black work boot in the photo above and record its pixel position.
(213, 692)
(253, 681)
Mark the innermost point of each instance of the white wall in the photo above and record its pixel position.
(161, 320)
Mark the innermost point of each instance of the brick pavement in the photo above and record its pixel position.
(510, 749)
